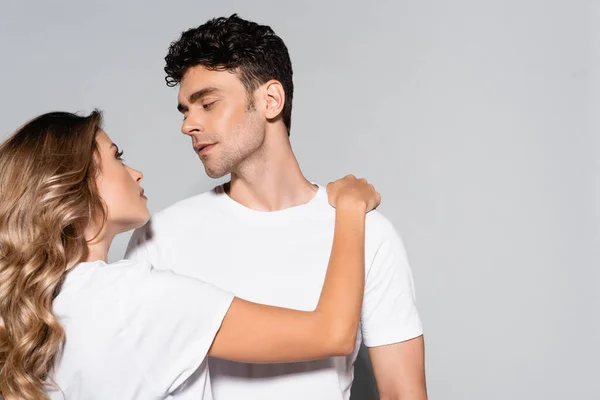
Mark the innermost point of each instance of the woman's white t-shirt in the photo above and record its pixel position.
(134, 332)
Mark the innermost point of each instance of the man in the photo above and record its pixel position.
(266, 235)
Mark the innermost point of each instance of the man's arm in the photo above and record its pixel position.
(399, 370)
(391, 325)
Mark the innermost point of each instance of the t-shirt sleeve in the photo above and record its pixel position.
(172, 323)
(389, 313)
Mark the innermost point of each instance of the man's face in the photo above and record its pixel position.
(224, 125)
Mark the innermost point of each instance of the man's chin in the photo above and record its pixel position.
(215, 174)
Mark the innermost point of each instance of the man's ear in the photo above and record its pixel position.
(274, 97)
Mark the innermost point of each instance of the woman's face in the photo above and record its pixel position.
(119, 187)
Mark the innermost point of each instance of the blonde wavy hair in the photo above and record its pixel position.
(48, 198)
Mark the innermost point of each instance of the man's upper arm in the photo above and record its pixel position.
(399, 370)
(391, 326)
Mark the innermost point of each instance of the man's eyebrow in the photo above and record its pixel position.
(197, 95)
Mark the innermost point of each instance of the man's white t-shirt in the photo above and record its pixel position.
(280, 258)
(134, 332)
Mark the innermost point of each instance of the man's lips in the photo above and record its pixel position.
(203, 148)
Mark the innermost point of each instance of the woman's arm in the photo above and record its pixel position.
(253, 332)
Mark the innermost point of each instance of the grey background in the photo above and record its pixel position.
(476, 120)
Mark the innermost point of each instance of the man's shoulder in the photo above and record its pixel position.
(174, 218)
(379, 227)
(183, 209)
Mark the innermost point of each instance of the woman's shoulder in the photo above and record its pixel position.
(91, 276)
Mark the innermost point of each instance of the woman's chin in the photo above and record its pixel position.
(137, 223)
(142, 221)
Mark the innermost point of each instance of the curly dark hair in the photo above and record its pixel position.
(254, 51)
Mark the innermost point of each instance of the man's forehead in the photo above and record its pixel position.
(193, 81)
(199, 75)
(206, 81)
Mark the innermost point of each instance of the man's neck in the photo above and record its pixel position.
(271, 179)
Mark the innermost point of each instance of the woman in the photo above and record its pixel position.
(73, 326)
